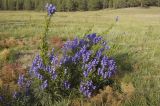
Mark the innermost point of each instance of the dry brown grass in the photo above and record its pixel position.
(35, 40)
(10, 72)
(57, 42)
(11, 42)
(128, 89)
(75, 103)
(4, 54)
(110, 97)
(8, 77)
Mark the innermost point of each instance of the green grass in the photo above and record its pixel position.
(135, 41)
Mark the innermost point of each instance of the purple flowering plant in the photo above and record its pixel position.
(84, 67)
(86, 60)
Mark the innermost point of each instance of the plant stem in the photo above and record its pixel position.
(44, 43)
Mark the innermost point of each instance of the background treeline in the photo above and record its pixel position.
(75, 5)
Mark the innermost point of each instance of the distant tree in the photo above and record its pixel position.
(32, 4)
(110, 3)
(158, 3)
(83, 5)
(115, 3)
(4, 4)
(17, 4)
(152, 2)
(72, 5)
(105, 3)
(119, 3)
(0, 4)
(55, 2)
(27, 4)
(133, 3)
(61, 5)
(144, 3)
(95, 4)
(36, 4)
(58, 5)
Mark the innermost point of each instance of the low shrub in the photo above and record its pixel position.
(80, 72)
(83, 69)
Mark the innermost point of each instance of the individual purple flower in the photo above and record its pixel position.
(65, 59)
(104, 61)
(109, 74)
(53, 58)
(15, 95)
(66, 47)
(39, 76)
(50, 8)
(105, 75)
(100, 71)
(95, 62)
(75, 43)
(76, 57)
(44, 85)
(54, 75)
(99, 54)
(82, 42)
(70, 45)
(86, 56)
(89, 67)
(66, 85)
(97, 39)
(104, 44)
(83, 49)
(111, 65)
(48, 69)
(85, 73)
(107, 47)
(91, 36)
(37, 64)
(21, 80)
(86, 88)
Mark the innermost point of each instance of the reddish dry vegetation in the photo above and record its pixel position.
(10, 72)
(57, 42)
(11, 42)
(8, 77)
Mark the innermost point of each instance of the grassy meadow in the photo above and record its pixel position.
(134, 42)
